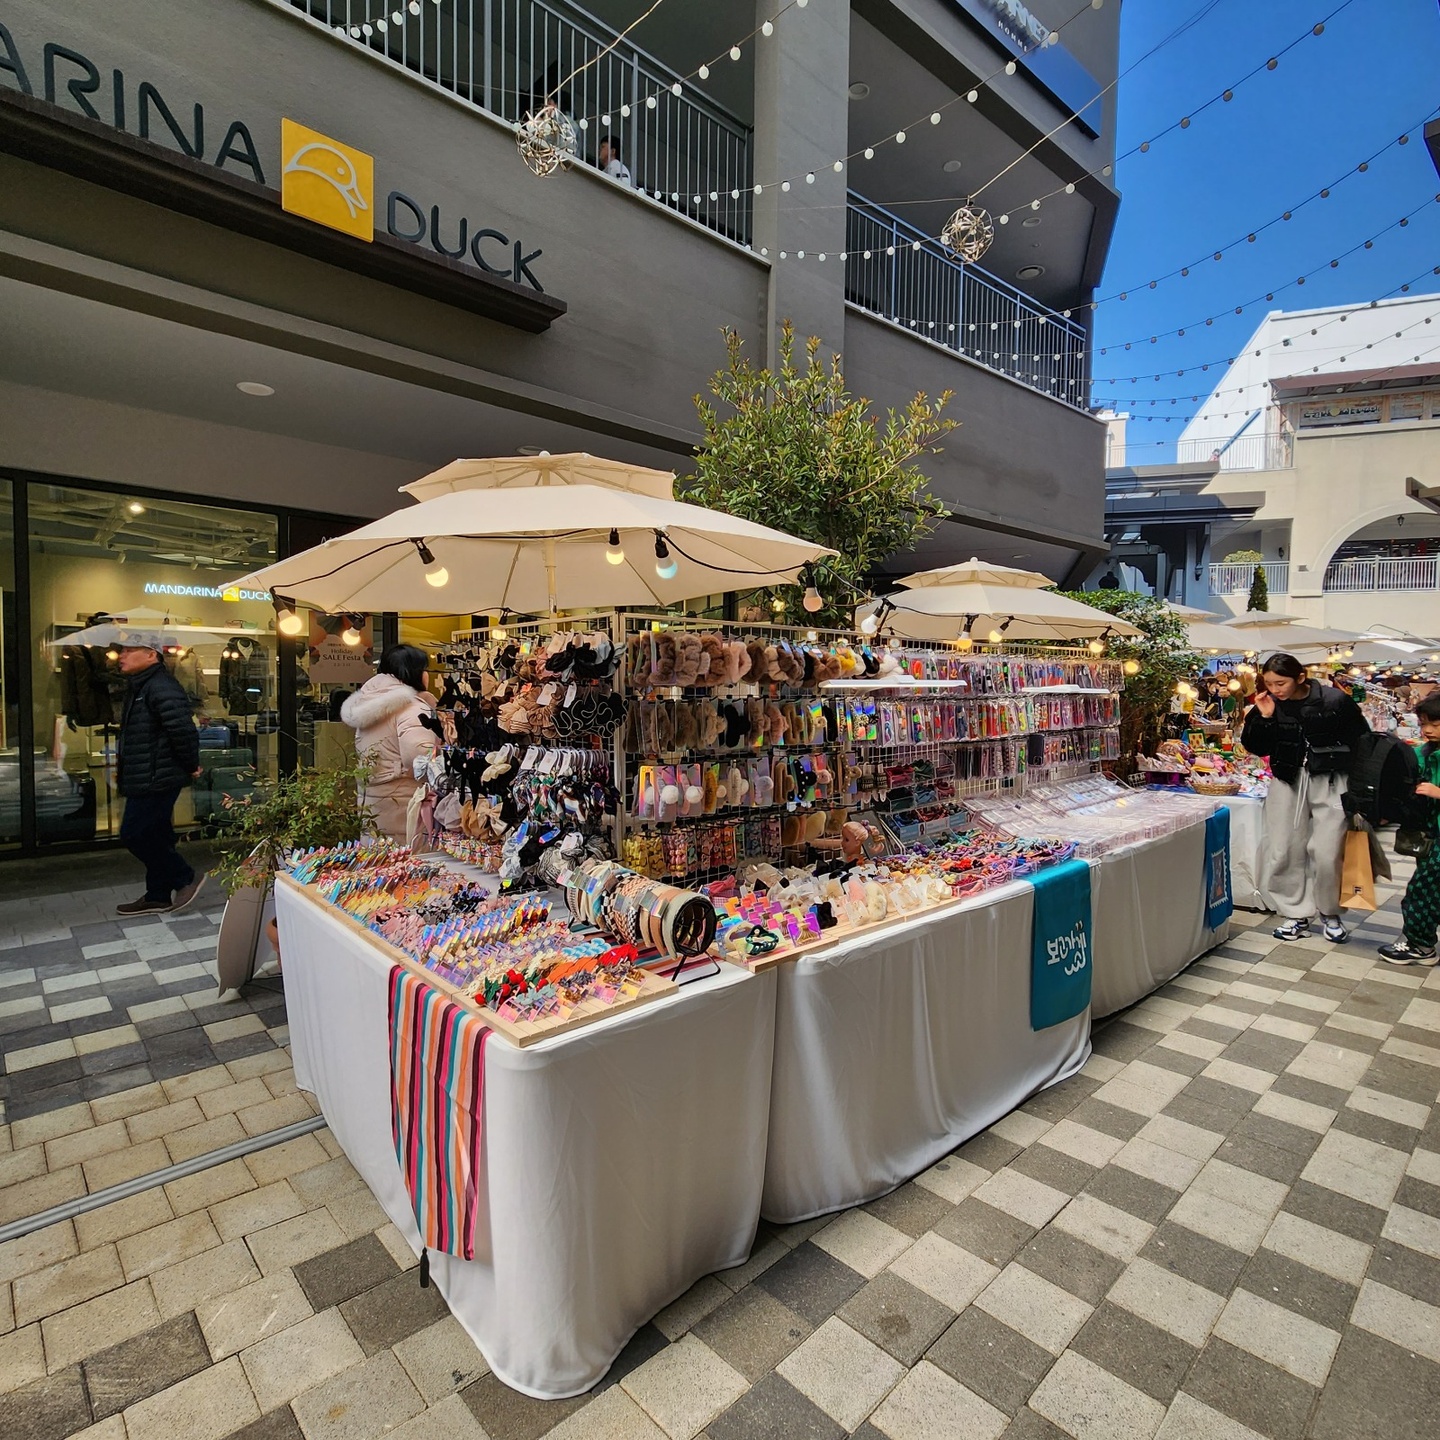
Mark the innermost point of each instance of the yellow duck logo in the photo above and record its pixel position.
(325, 181)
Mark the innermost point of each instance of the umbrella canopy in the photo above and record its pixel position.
(539, 545)
(1211, 635)
(976, 572)
(535, 471)
(1193, 612)
(940, 612)
(130, 630)
(1289, 636)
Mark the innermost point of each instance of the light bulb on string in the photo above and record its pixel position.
(995, 637)
(436, 574)
(613, 553)
(1131, 667)
(665, 564)
(287, 621)
(351, 635)
(870, 624)
(1097, 647)
(813, 600)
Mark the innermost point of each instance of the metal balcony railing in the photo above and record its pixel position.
(1244, 452)
(898, 272)
(1236, 579)
(1418, 573)
(509, 56)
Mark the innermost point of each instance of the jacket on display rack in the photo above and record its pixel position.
(1315, 734)
(159, 746)
(91, 692)
(244, 675)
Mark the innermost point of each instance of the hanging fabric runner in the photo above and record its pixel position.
(1219, 899)
(437, 1094)
(1060, 969)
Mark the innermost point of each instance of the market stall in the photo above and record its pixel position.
(622, 1161)
(892, 1049)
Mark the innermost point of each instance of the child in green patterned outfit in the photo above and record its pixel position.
(1421, 905)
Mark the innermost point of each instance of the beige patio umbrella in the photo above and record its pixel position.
(987, 613)
(976, 572)
(535, 534)
(1270, 632)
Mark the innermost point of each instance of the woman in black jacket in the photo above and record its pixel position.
(1307, 730)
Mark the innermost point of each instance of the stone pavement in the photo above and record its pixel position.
(1227, 1225)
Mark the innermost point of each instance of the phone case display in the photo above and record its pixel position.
(1099, 815)
(523, 779)
(524, 972)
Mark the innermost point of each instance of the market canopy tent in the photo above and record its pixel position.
(1269, 633)
(139, 627)
(984, 600)
(534, 534)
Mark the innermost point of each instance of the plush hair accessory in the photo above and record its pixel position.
(759, 671)
(775, 724)
(762, 784)
(663, 658)
(755, 721)
(687, 732)
(792, 663)
(733, 716)
(687, 659)
(712, 788)
(872, 665)
(711, 726)
(888, 665)
(669, 794)
(514, 717)
(736, 785)
(712, 661)
(815, 825)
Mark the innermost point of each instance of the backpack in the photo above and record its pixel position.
(1384, 772)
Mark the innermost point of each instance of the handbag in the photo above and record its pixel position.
(1417, 843)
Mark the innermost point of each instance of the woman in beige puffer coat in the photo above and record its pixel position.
(385, 714)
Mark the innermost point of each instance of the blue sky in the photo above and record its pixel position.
(1332, 101)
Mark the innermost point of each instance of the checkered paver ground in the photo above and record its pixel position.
(1227, 1225)
(92, 1005)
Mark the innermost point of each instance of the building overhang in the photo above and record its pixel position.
(39, 132)
(1127, 512)
(1391, 377)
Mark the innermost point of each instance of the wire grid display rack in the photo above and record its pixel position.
(903, 751)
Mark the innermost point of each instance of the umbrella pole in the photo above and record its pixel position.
(550, 572)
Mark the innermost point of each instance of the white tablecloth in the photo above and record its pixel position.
(893, 1048)
(1148, 902)
(1247, 822)
(624, 1161)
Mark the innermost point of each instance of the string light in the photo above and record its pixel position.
(613, 553)
(666, 565)
(435, 573)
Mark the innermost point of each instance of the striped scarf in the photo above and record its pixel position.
(437, 1095)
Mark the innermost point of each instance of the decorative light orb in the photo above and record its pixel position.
(767, 29)
(1131, 667)
(546, 140)
(812, 601)
(734, 52)
(968, 233)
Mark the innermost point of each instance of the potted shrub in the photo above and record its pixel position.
(295, 812)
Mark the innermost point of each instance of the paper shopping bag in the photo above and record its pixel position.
(1357, 880)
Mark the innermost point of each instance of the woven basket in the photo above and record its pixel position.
(1217, 786)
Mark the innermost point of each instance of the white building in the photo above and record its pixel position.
(1334, 416)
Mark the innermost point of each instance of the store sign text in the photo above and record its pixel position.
(206, 592)
(72, 81)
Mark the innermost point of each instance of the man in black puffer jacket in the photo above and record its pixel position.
(159, 755)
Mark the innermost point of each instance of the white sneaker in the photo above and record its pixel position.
(1334, 931)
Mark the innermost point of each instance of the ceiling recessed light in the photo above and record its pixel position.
(1030, 222)
(951, 166)
(255, 387)
(859, 90)
(1029, 272)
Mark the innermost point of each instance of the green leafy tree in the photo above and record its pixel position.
(794, 449)
(1259, 591)
(1163, 656)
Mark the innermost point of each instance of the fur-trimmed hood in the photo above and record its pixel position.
(382, 698)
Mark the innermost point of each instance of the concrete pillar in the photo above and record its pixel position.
(802, 76)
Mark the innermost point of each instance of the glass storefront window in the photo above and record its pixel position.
(10, 661)
(152, 561)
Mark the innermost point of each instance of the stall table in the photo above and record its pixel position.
(894, 1047)
(1247, 824)
(623, 1161)
(1148, 903)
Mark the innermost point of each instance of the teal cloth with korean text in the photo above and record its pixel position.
(1219, 901)
(1060, 961)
